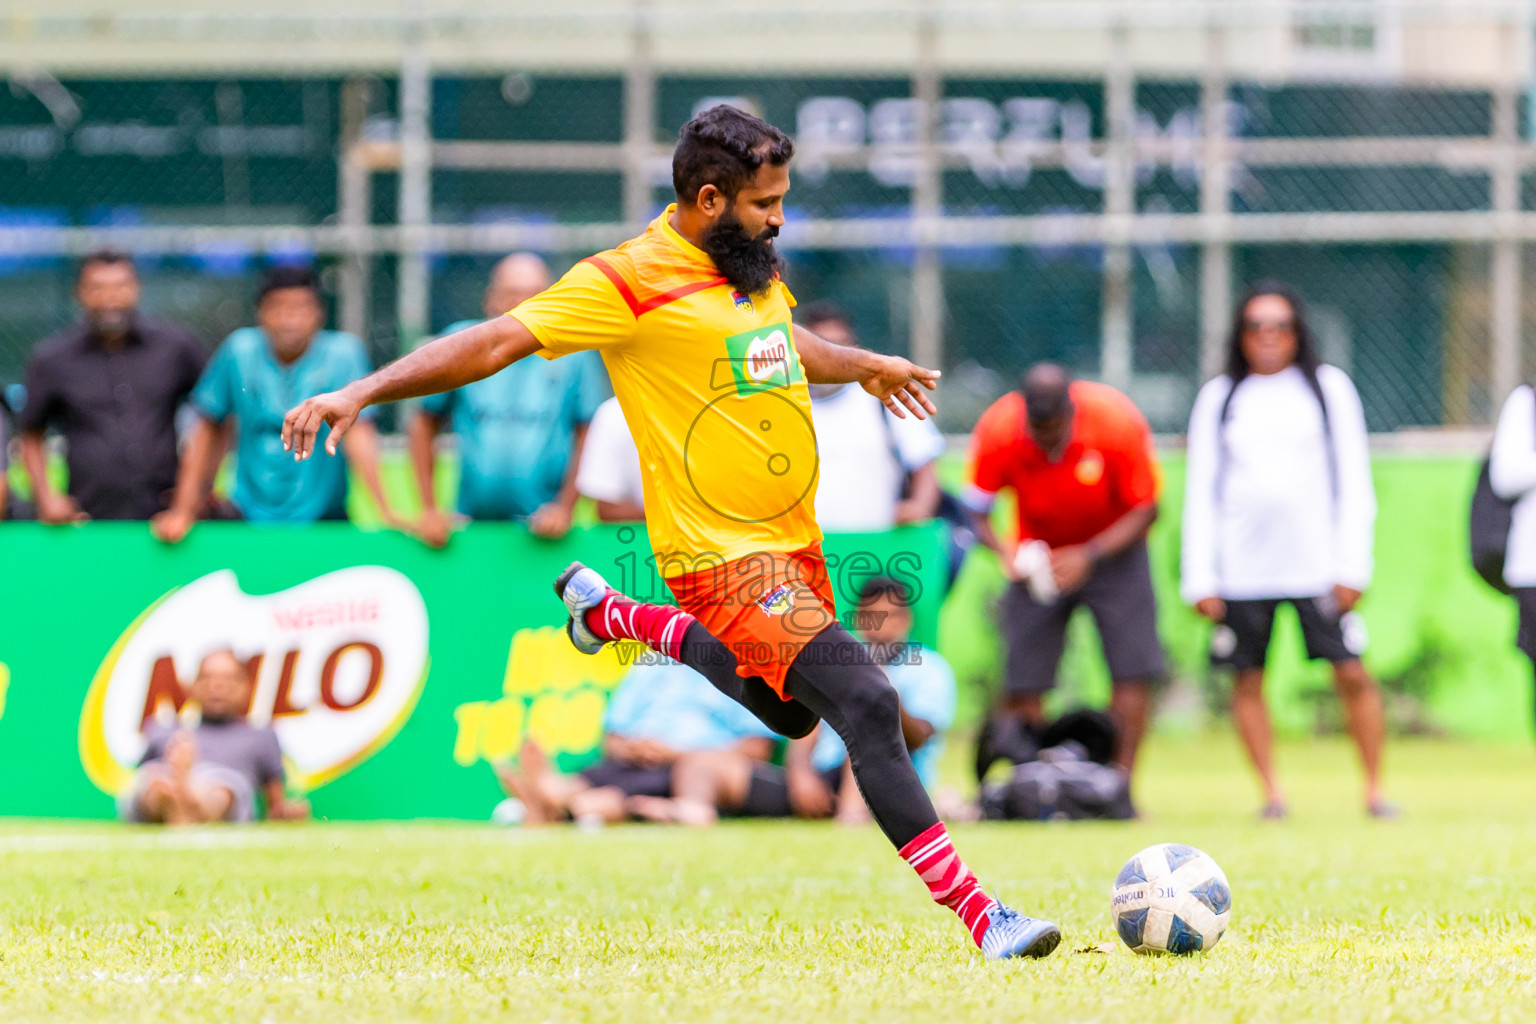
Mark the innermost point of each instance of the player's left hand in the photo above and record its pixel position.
(551, 521)
(900, 385)
(1345, 597)
(1071, 566)
(304, 420)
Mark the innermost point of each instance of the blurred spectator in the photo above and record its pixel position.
(215, 770)
(1279, 509)
(111, 385)
(254, 378)
(658, 718)
(1512, 473)
(1078, 457)
(877, 469)
(520, 431)
(610, 467)
(818, 774)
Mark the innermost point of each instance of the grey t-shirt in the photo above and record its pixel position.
(251, 750)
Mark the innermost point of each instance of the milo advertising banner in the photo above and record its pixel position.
(394, 675)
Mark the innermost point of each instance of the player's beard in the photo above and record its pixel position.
(748, 263)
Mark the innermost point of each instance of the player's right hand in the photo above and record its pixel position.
(303, 422)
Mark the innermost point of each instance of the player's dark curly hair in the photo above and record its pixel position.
(724, 147)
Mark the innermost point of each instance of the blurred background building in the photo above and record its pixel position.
(983, 184)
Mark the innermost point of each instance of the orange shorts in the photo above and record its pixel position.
(764, 607)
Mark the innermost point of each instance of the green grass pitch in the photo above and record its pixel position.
(1335, 918)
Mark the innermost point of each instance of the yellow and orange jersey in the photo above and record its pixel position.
(712, 389)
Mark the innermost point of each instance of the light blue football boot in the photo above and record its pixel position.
(581, 588)
(1011, 934)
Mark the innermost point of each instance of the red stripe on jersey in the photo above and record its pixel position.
(618, 282)
(639, 308)
(682, 291)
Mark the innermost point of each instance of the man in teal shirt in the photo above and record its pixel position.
(520, 431)
(247, 387)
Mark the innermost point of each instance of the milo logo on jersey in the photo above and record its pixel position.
(763, 359)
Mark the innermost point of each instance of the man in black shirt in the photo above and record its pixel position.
(111, 385)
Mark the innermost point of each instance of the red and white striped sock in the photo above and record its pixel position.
(658, 626)
(932, 855)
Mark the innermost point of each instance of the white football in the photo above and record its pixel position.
(1171, 898)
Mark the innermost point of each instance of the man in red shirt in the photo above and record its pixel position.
(1079, 458)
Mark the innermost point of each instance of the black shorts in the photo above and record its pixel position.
(1525, 638)
(1241, 641)
(629, 778)
(1118, 593)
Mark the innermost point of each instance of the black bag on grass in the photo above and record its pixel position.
(1062, 784)
(1004, 738)
(1061, 771)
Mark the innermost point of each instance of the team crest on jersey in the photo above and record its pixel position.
(778, 600)
(743, 301)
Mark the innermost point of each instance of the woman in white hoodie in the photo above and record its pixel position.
(1279, 508)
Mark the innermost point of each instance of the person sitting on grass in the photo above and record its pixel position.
(819, 776)
(213, 771)
(664, 723)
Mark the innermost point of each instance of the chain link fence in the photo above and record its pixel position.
(1097, 206)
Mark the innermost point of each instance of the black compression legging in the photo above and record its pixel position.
(833, 679)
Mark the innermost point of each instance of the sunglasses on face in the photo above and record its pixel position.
(1269, 325)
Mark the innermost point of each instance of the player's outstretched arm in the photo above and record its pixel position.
(898, 383)
(444, 364)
